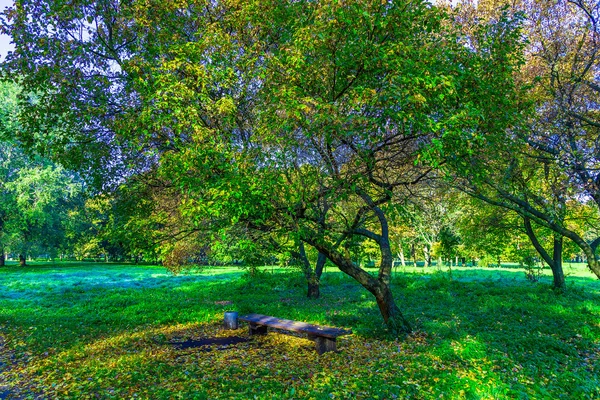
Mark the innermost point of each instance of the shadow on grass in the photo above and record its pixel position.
(527, 338)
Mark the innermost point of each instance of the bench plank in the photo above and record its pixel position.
(296, 326)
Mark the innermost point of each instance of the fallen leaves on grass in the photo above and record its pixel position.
(485, 341)
(144, 364)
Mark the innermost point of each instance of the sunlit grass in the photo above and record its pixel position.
(102, 331)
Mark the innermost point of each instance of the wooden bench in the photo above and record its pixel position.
(323, 336)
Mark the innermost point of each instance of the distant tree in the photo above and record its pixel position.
(7, 198)
(402, 236)
(10, 162)
(35, 194)
(43, 194)
(431, 211)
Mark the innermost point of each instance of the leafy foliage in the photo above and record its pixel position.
(547, 159)
(303, 128)
(36, 195)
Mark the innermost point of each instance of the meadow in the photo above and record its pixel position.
(92, 330)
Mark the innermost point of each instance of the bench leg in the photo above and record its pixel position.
(257, 329)
(324, 344)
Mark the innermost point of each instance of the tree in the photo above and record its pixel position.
(551, 158)
(567, 129)
(299, 120)
(35, 194)
(361, 122)
(349, 99)
(9, 162)
(7, 198)
(43, 194)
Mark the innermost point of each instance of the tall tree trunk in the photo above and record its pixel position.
(413, 253)
(314, 291)
(380, 286)
(387, 260)
(427, 255)
(555, 262)
(2, 258)
(401, 255)
(395, 321)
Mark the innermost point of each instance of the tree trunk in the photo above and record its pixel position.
(401, 255)
(321, 260)
(22, 260)
(313, 276)
(390, 312)
(392, 316)
(555, 262)
(2, 258)
(314, 282)
(380, 286)
(427, 255)
(387, 260)
(413, 253)
(313, 291)
(557, 269)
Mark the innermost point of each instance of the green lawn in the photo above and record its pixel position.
(77, 331)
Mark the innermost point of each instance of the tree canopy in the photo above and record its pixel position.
(309, 130)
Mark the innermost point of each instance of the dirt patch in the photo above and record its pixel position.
(208, 344)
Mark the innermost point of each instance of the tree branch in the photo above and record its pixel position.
(538, 247)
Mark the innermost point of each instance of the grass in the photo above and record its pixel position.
(77, 331)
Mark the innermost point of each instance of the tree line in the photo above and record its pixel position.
(314, 132)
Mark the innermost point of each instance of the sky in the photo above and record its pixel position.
(5, 45)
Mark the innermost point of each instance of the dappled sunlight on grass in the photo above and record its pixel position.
(94, 336)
